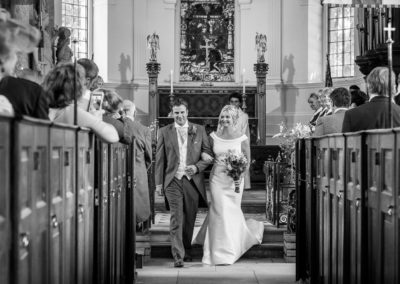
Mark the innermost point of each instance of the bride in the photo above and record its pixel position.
(225, 234)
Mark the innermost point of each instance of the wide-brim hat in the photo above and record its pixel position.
(18, 35)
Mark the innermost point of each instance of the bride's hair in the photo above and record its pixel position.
(233, 113)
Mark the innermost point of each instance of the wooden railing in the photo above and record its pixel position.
(348, 208)
(66, 205)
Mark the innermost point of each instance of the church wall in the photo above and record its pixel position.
(115, 50)
(295, 36)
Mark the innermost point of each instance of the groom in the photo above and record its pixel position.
(179, 173)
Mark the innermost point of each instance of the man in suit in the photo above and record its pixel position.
(142, 137)
(374, 115)
(340, 98)
(179, 173)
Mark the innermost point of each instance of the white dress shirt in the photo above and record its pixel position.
(182, 150)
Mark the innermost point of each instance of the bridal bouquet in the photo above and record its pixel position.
(236, 164)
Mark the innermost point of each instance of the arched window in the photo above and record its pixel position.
(341, 41)
(75, 17)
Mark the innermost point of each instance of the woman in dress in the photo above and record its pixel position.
(59, 84)
(18, 97)
(225, 233)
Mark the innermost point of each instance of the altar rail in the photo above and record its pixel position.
(348, 208)
(66, 205)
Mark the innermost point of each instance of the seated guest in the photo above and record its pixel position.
(142, 137)
(91, 74)
(59, 83)
(325, 101)
(26, 97)
(354, 88)
(333, 123)
(315, 105)
(112, 105)
(374, 115)
(358, 98)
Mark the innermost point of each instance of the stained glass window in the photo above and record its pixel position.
(207, 40)
(341, 41)
(75, 17)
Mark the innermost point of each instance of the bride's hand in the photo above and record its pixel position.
(207, 158)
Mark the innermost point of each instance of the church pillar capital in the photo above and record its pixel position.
(261, 69)
(153, 68)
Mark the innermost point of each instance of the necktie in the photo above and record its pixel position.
(182, 134)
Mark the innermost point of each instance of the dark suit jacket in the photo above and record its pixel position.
(26, 97)
(330, 124)
(121, 126)
(372, 115)
(143, 151)
(167, 156)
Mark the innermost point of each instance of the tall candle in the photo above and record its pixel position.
(172, 81)
(244, 85)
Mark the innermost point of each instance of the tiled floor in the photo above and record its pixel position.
(247, 271)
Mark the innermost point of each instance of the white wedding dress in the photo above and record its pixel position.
(225, 234)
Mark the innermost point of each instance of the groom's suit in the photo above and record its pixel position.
(184, 194)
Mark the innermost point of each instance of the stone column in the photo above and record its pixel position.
(261, 70)
(153, 68)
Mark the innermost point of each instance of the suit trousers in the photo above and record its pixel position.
(183, 199)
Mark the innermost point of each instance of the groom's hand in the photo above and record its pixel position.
(191, 170)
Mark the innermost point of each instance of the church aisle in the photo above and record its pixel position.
(248, 271)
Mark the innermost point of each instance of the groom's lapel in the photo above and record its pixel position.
(174, 139)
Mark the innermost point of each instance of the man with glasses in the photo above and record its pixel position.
(236, 100)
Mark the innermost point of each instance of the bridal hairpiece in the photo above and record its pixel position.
(232, 111)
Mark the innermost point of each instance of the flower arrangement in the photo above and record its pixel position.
(288, 137)
(236, 164)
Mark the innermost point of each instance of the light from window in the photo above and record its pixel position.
(341, 41)
(75, 17)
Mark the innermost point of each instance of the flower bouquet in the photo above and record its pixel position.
(236, 164)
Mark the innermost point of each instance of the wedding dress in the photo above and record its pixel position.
(225, 234)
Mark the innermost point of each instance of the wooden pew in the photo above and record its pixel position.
(302, 251)
(381, 206)
(57, 185)
(337, 197)
(307, 213)
(323, 172)
(85, 208)
(354, 217)
(30, 202)
(101, 251)
(63, 207)
(355, 225)
(5, 199)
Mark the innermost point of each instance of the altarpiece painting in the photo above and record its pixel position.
(206, 45)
